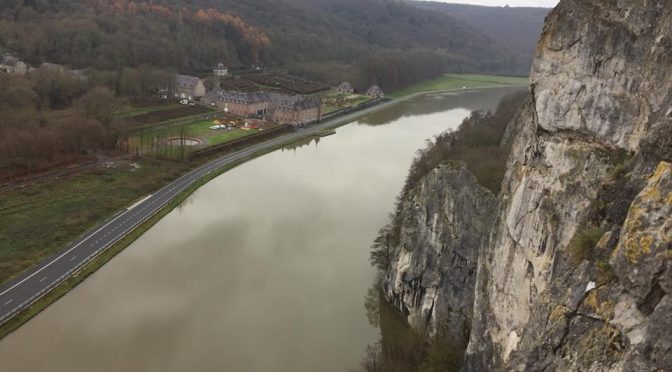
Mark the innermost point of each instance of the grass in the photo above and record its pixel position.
(178, 121)
(457, 81)
(582, 245)
(230, 136)
(199, 129)
(38, 220)
(135, 111)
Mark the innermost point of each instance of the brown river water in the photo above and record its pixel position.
(265, 268)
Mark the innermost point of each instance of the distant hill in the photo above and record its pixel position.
(515, 28)
(388, 42)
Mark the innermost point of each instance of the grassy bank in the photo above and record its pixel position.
(39, 220)
(458, 81)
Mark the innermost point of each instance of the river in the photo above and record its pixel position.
(265, 268)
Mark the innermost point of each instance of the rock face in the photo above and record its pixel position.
(590, 158)
(433, 271)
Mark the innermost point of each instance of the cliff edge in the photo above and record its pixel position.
(573, 269)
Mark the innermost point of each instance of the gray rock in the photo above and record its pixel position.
(431, 277)
(592, 149)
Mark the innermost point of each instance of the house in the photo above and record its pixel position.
(345, 88)
(53, 67)
(375, 92)
(295, 109)
(11, 65)
(220, 70)
(79, 74)
(188, 87)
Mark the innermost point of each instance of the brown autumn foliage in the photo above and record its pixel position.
(253, 36)
(50, 118)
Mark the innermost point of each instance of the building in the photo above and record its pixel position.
(220, 70)
(53, 67)
(295, 109)
(189, 87)
(11, 65)
(345, 88)
(281, 108)
(375, 92)
(242, 104)
(79, 74)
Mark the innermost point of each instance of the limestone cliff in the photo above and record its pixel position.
(575, 270)
(432, 274)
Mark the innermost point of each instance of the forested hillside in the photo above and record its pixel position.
(515, 28)
(366, 41)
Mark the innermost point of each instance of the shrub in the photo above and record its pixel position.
(582, 245)
(477, 142)
(605, 273)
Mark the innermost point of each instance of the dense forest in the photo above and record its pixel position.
(365, 41)
(50, 117)
(515, 28)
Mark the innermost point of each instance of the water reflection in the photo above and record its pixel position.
(440, 102)
(263, 269)
(299, 144)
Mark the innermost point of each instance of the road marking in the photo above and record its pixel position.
(73, 258)
(139, 202)
(59, 257)
(8, 302)
(43, 279)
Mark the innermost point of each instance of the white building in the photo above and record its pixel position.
(12, 65)
(220, 70)
(188, 87)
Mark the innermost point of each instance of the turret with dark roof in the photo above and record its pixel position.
(345, 87)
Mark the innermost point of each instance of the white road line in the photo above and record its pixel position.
(73, 258)
(43, 279)
(139, 202)
(8, 302)
(59, 257)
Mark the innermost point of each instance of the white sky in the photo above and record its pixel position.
(538, 3)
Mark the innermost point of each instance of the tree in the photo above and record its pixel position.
(129, 83)
(100, 104)
(16, 92)
(381, 250)
(56, 89)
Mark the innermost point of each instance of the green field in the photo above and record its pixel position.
(458, 81)
(200, 130)
(230, 136)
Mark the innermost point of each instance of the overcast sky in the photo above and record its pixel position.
(539, 3)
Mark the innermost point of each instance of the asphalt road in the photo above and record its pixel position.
(27, 288)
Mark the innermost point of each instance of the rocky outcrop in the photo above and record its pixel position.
(432, 274)
(574, 273)
(601, 87)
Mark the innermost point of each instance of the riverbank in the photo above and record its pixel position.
(64, 208)
(452, 82)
